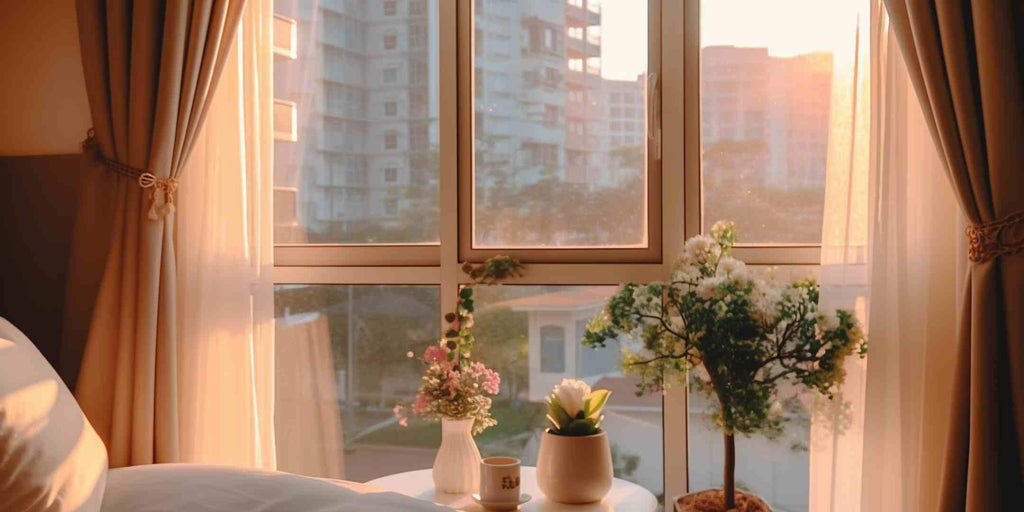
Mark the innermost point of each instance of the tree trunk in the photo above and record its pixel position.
(729, 473)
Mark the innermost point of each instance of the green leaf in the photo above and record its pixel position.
(595, 402)
(466, 293)
(583, 427)
(557, 412)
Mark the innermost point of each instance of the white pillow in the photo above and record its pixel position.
(50, 457)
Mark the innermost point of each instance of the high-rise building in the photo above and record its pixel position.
(366, 89)
(779, 106)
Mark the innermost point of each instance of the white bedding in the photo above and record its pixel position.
(198, 488)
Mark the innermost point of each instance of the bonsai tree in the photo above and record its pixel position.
(737, 337)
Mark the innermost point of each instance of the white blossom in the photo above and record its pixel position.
(718, 230)
(731, 267)
(707, 286)
(572, 393)
(775, 409)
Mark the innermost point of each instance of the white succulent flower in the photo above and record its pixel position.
(572, 393)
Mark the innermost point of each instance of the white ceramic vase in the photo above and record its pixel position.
(457, 466)
(574, 469)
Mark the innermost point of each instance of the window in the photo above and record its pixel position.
(552, 349)
(339, 355)
(576, 32)
(507, 147)
(766, 102)
(342, 136)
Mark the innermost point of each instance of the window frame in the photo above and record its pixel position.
(674, 201)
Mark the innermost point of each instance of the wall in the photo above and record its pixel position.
(45, 115)
(42, 88)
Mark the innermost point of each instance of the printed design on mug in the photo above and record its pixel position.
(508, 482)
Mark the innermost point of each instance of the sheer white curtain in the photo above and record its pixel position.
(891, 238)
(224, 259)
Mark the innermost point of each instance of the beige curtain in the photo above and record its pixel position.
(224, 260)
(891, 242)
(966, 62)
(150, 69)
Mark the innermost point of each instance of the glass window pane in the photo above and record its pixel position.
(766, 87)
(340, 367)
(778, 471)
(556, 165)
(366, 87)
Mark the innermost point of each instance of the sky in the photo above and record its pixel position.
(785, 27)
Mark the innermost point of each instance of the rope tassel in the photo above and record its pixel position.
(161, 197)
(162, 190)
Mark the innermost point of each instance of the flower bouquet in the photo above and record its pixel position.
(456, 390)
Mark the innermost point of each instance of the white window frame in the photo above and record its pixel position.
(674, 202)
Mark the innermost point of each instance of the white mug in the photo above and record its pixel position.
(499, 480)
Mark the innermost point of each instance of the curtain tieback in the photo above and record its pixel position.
(997, 238)
(162, 190)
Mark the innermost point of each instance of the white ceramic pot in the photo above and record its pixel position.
(457, 465)
(574, 469)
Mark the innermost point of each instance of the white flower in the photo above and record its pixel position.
(775, 409)
(706, 287)
(718, 230)
(572, 393)
(731, 267)
(765, 298)
(827, 321)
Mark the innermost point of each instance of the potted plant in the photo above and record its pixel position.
(456, 390)
(737, 337)
(575, 460)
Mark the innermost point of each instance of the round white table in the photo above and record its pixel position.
(624, 496)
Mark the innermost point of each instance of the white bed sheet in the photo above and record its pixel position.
(201, 488)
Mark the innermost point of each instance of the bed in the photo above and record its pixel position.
(51, 460)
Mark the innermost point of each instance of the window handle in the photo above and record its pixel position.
(654, 115)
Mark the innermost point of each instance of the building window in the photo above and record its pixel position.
(576, 32)
(391, 207)
(390, 108)
(391, 140)
(390, 75)
(390, 41)
(390, 175)
(390, 7)
(552, 349)
(417, 7)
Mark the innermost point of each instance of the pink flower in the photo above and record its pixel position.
(435, 354)
(488, 378)
(469, 321)
(453, 382)
(454, 325)
(422, 404)
(403, 419)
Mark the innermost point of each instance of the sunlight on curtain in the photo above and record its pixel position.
(225, 259)
(891, 237)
